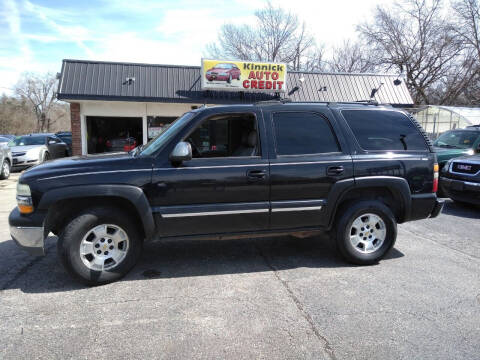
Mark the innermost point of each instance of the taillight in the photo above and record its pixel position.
(435, 178)
(108, 143)
(129, 147)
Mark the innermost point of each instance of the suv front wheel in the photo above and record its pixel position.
(100, 245)
(365, 232)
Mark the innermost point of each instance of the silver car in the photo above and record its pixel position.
(33, 149)
(5, 160)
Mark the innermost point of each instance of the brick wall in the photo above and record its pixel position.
(76, 128)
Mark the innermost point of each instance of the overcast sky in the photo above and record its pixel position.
(36, 35)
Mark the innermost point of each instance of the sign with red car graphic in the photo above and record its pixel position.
(243, 76)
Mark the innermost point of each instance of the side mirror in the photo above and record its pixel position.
(181, 152)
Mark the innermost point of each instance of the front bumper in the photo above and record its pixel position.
(27, 232)
(461, 190)
(23, 161)
(217, 77)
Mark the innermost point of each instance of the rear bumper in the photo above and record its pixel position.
(437, 208)
(425, 206)
(27, 233)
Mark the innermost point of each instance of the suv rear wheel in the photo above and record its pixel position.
(100, 245)
(365, 232)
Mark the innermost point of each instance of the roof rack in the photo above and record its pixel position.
(288, 100)
(275, 101)
(367, 102)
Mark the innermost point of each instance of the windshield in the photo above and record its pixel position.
(66, 138)
(27, 140)
(223, 66)
(460, 139)
(163, 138)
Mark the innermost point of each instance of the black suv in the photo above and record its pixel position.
(355, 170)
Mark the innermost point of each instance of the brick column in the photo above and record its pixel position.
(76, 128)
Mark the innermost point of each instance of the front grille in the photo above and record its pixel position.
(465, 168)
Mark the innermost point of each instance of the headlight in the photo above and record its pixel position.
(24, 199)
(470, 152)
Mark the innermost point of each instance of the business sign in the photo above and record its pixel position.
(243, 76)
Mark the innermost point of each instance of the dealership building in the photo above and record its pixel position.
(110, 100)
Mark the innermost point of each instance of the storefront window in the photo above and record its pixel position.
(158, 124)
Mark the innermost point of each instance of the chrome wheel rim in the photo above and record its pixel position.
(367, 233)
(104, 247)
(6, 169)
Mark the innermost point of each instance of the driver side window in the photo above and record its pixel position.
(231, 135)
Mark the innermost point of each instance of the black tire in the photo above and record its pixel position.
(5, 170)
(343, 227)
(68, 246)
(46, 156)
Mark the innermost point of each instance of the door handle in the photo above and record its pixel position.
(335, 170)
(256, 174)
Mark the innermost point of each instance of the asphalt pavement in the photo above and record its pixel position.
(274, 298)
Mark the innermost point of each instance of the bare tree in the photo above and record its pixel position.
(351, 57)
(39, 92)
(277, 35)
(414, 38)
(315, 60)
(467, 27)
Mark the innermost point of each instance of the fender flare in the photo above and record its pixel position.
(133, 194)
(398, 186)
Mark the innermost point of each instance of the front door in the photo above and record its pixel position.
(307, 158)
(224, 188)
(55, 147)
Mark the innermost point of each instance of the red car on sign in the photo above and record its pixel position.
(223, 72)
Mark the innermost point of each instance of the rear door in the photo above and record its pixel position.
(308, 155)
(388, 143)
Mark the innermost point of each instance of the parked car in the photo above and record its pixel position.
(5, 161)
(223, 72)
(66, 137)
(33, 149)
(269, 168)
(4, 140)
(460, 179)
(11, 137)
(455, 143)
(121, 144)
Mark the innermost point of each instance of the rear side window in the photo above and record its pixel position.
(299, 133)
(384, 130)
